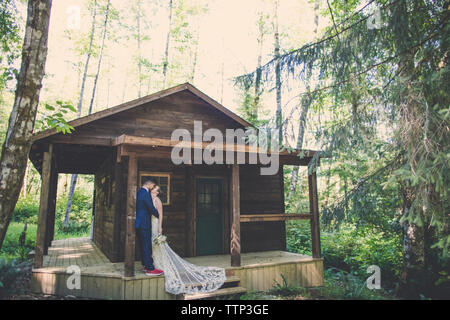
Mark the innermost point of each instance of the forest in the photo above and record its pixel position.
(366, 82)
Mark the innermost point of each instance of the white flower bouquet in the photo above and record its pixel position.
(159, 239)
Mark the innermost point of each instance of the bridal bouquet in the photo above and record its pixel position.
(159, 239)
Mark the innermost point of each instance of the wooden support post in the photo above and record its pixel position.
(190, 234)
(43, 208)
(50, 232)
(130, 237)
(93, 226)
(117, 210)
(314, 209)
(235, 237)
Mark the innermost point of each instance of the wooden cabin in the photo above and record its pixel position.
(216, 214)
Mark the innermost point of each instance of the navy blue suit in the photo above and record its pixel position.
(143, 225)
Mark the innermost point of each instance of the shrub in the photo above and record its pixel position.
(340, 284)
(9, 272)
(285, 289)
(27, 209)
(80, 215)
(351, 249)
(12, 246)
(298, 237)
(354, 250)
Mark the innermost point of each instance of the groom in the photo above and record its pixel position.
(143, 225)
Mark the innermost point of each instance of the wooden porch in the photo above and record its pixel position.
(102, 279)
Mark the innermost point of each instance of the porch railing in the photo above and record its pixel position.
(274, 217)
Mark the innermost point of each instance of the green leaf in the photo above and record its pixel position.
(49, 107)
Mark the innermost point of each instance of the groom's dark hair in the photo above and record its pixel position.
(148, 180)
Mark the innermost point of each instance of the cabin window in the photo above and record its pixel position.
(162, 180)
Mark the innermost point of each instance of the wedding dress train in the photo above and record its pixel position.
(180, 275)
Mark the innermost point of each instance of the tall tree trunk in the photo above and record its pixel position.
(306, 102)
(166, 53)
(414, 268)
(138, 21)
(256, 100)
(194, 62)
(327, 187)
(414, 246)
(278, 115)
(124, 90)
(222, 80)
(17, 144)
(105, 26)
(24, 188)
(149, 77)
(88, 57)
(73, 181)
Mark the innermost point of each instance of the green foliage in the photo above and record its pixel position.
(252, 295)
(9, 272)
(80, 215)
(298, 237)
(54, 117)
(15, 247)
(340, 284)
(9, 42)
(354, 250)
(18, 244)
(27, 209)
(391, 79)
(286, 289)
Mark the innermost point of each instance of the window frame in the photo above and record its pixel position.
(158, 174)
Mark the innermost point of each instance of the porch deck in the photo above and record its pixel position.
(103, 279)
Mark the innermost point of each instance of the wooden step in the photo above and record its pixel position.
(217, 293)
(232, 281)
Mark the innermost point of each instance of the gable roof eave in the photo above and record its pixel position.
(140, 101)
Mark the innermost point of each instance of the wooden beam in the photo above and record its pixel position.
(130, 237)
(50, 232)
(82, 140)
(190, 219)
(235, 235)
(126, 139)
(118, 185)
(148, 147)
(314, 209)
(43, 208)
(275, 217)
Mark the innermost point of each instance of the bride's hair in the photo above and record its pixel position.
(158, 188)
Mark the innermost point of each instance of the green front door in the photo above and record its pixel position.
(209, 216)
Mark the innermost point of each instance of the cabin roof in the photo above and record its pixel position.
(139, 102)
(109, 131)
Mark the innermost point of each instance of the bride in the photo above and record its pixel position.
(180, 275)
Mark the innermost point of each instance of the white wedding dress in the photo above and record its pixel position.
(180, 275)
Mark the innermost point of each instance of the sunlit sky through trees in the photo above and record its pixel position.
(227, 40)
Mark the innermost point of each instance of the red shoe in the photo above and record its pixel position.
(154, 272)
